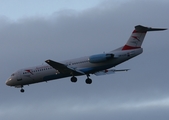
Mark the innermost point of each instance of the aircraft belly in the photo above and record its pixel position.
(55, 76)
(30, 79)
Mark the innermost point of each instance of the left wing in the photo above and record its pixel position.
(62, 68)
(110, 71)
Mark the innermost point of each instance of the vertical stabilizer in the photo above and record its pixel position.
(136, 39)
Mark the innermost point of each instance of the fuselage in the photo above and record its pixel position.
(98, 64)
(45, 72)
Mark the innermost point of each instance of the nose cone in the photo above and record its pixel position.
(8, 82)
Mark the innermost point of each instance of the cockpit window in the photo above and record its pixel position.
(13, 74)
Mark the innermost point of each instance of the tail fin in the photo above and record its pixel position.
(136, 39)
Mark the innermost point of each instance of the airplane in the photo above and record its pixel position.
(99, 64)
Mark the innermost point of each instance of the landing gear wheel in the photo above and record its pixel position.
(22, 90)
(73, 79)
(88, 81)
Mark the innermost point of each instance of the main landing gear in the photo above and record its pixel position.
(73, 79)
(88, 80)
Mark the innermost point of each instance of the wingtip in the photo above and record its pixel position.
(47, 61)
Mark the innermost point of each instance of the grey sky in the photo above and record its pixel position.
(30, 34)
(15, 9)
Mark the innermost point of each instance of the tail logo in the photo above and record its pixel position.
(135, 40)
(135, 37)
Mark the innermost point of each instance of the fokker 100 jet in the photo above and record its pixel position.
(98, 64)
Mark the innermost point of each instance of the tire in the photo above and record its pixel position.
(73, 79)
(88, 81)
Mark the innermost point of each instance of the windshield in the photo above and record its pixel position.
(13, 74)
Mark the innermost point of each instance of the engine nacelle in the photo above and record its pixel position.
(100, 58)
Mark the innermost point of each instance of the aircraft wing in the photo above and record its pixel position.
(110, 71)
(62, 68)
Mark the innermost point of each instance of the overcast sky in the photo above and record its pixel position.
(34, 31)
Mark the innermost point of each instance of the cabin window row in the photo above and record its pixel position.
(37, 70)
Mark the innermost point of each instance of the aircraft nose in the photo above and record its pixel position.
(8, 82)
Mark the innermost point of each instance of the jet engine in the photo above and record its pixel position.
(100, 58)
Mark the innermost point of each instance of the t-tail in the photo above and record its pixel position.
(136, 39)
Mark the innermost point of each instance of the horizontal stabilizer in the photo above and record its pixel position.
(111, 71)
(141, 28)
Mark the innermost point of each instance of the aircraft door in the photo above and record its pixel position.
(19, 77)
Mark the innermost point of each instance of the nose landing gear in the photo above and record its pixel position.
(22, 90)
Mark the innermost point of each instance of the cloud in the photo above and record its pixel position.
(141, 93)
